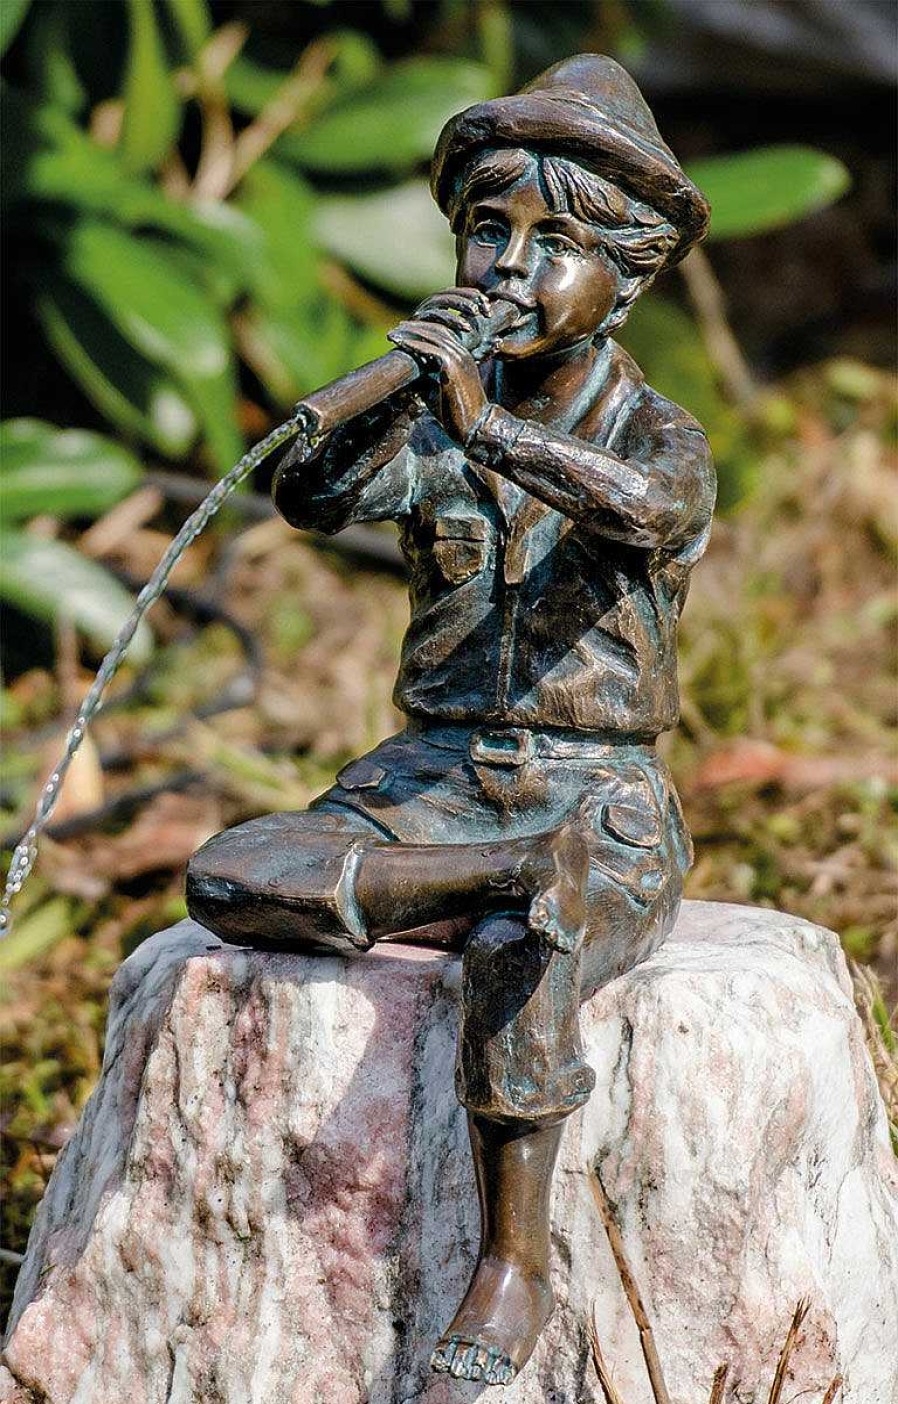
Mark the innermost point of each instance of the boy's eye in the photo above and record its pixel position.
(558, 244)
(488, 231)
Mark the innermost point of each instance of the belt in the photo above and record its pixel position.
(516, 745)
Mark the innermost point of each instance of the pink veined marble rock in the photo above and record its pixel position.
(269, 1198)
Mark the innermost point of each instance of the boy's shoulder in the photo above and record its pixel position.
(644, 411)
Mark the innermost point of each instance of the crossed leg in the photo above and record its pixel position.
(299, 881)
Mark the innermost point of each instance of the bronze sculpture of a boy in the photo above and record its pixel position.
(552, 506)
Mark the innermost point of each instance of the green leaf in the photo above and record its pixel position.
(281, 205)
(753, 191)
(62, 472)
(232, 245)
(162, 313)
(12, 13)
(293, 353)
(137, 396)
(395, 238)
(392, 123)
(53, 161)
(369, 343)
(152, 117)
(193, 23)
(50, 158)
(251, 86)
(44, 578)
(49, 60)
(35, 934)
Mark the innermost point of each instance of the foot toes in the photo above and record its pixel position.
(480, 1362)
(442, 1356)
(500, 1370)
(493, 1361)
(464, 1358)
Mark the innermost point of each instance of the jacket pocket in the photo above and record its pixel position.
(632, 848)
(634, 824)
(460, 547)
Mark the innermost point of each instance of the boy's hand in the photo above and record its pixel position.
(433, 338)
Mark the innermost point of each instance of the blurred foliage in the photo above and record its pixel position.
(186, 231)
(51, 473)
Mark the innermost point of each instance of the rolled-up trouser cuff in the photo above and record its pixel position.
(520, 1056)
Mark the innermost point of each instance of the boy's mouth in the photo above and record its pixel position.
(527, 304)
(527, 311)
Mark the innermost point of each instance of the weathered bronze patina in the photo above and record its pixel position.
(552, 506)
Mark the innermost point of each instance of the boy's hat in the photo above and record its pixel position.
(589, 109)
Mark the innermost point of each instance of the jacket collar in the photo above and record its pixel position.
(599, 407)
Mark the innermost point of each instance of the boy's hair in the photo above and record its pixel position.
(637, 238)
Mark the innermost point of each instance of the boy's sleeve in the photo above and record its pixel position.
(669, 451)
(654, 488)
(366, 471)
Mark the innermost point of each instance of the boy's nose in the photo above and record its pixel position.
(515, 258)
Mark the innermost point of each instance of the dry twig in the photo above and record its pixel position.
(283, 110)
(723, 348)
(779, 1379)
(719, 1384)
(631, 1291)
(604, 1374)
(833, 1390)
(214, 176)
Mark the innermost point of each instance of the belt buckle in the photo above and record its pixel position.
(513, 746)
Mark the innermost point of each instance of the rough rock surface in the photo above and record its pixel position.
(269, 1198)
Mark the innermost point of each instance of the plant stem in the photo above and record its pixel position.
(215, 169)
(718, 1384)
(631, 1291)
(283, 110)
(707, 299)
(604, 1374)
(779, 1379)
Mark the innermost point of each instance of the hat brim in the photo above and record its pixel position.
(568, 125)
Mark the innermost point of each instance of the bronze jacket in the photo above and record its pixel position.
(547, 569)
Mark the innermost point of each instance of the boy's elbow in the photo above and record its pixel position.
(682, 504)
(300, 500)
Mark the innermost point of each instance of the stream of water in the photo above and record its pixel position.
(26, 850)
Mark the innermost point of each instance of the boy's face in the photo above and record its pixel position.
(553, 265)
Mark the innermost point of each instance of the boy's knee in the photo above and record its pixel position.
(493, 934)
(284, 888)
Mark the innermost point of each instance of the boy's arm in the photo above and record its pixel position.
(658, 492)
(363, 472)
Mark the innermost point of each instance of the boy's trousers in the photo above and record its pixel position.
(285, 880)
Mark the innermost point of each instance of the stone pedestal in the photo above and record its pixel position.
(269, 1199)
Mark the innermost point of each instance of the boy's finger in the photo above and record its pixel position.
(447, 317)
(430, 337)
(468, 300)
(423, 349)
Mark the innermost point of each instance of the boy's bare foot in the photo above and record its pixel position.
(497, 1325)
(560, 865)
